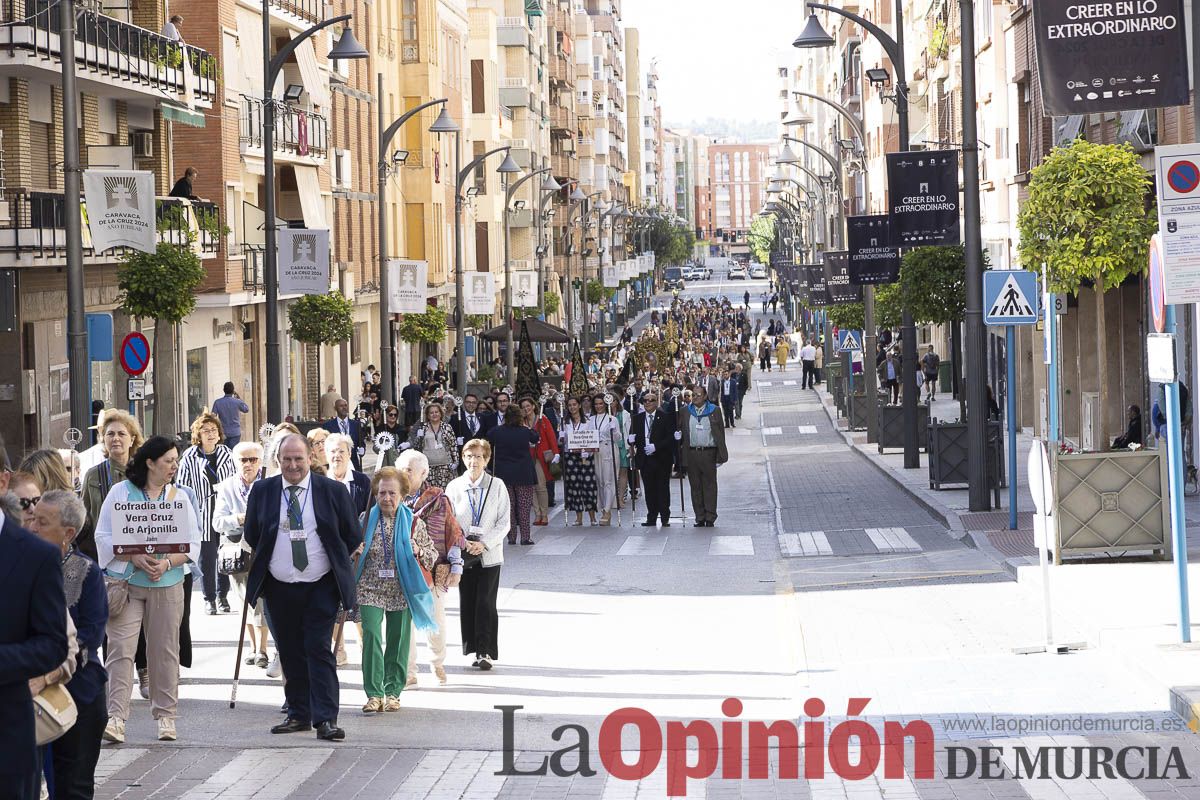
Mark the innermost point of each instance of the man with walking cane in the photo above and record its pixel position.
(653, 439)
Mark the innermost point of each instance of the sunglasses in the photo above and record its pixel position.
(249, 459)
(29, 502)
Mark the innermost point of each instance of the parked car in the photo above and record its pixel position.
(758, 272)
(737, 272)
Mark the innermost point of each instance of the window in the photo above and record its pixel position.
(342, 175)
(983, 23)
(478, 92)
(478, 149)
(414, 231)
(60, 390)
(358, 335)
(783, 72)
(413, 135)
(409, 48)
(483, 253)
(197, 381)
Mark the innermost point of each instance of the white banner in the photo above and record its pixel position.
(623, 272)
(151, 526)
(120, 209)
(408, 286)
(583, 439)
(480, 293)
(525, 289)
(303, 261)
(610, 277)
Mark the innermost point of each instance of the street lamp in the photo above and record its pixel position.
(550, 187)
(614, 209)
(347, 47)
(508, 310)
(386, 167)
(813, 36)
(507, 167)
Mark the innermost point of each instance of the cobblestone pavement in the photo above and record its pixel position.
(822, 579)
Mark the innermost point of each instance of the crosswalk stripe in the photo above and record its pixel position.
(893, 540)
(808, 429)
(1116, 788)
(453, 773)
(731, 546)
(643, 546)
(652, 786)
(765, 383)
(266, 774)
(807, 543)
(772, 431)
(114, 759)
(789, 383)
(556, 545)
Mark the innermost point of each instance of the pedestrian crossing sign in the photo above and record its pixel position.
(1010, 297)
(848, 342)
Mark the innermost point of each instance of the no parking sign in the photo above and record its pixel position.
(1177, 258)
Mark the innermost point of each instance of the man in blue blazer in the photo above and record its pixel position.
(345, 424)
(305, 536)
(33, 641)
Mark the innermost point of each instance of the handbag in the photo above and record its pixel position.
(232, 559)
(553, 467)
(117, 590)
(54, 713)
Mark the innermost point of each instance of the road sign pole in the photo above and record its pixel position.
(1010, 349)
(1175, 481)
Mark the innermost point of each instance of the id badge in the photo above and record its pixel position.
(387, 573)
(475, 530)
(298, 536)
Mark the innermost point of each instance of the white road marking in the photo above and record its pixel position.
(731, 546)
(893, 540)
(772, 431)
(264, 774)
(643, 546)
(808, 429)
(555, 545)
(1115, 789)
(453, 774)
(789, 383)
(805, 543)
(764, 383)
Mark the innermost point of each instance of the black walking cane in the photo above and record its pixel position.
(237, 665)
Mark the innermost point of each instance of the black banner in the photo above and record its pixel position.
(817, 294)
(1111, 56)
(837, 279)
(873, 257)
(923, 187)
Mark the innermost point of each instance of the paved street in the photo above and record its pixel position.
(823, 578)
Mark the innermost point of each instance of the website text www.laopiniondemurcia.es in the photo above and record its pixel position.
(853, 749)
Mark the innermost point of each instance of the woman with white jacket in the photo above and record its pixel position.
(481, 506)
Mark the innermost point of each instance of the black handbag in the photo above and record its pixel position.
(233, 560)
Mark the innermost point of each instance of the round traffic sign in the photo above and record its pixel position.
(1183, 177)
(135, 353)
(1158, 308)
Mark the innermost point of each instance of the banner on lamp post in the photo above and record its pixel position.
(817, 290)
(609, 277)
(837, 279)
(873, 258)
(1104, 57)
(525, 293)
(923, 187)
(480, 293)
(120, 209)
(408, 286)
(303, 261)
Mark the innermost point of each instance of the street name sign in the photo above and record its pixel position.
(1010, 297)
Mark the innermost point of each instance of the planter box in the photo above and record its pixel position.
(838, 387)
(857, 412)
(1111, 503)
(948, 456)
(891, 427)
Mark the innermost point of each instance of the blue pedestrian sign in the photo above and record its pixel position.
(848, 342)
(1010, 297)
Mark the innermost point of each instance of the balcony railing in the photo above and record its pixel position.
(297, 132)
(252, 270)
(852, 89)
(310, 10)
(109, 50)
(36, 225)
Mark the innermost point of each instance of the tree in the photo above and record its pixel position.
(1088, 220)
(933, 284)
(762, 238)
(428, 328)
(161, 286)
(852, 315)
(671, 244)
(549, 300)
(321, 319)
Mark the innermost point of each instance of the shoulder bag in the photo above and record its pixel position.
(54, 713)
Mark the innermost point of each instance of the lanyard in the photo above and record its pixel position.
(388, 532)
(477, 513)
(303, 501)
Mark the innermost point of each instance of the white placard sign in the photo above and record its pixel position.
(408, 286)
(610, 277)
(583, 439)
(480, 293)
(524, 289)
(151, 527)
(628, 269)
(303, 260)
(1178, 172)
(120, 209)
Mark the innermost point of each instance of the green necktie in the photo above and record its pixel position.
(296, 523)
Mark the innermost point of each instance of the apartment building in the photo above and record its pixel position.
(635, 147)
(652, 141)
(137, 90)
(738, 175)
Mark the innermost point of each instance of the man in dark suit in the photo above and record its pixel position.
(653, 436)
(411, 397)
(468, 421)
(730, 391)
(344, 424)
(305, 537)
(33, 641)
(493, 419)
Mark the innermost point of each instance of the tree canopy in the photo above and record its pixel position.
(321, 318)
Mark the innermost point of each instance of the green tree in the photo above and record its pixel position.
(479, 322)
(321, 319)
(887, 310)
(933, 284)
(671, 244)
(762, 238)
(1088, 220)
(161, 286)
(428, 328)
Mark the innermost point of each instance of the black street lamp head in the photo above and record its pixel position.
(347, 47)
(813, 35)
(444, 123)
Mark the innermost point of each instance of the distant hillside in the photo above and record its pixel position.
(745, 130)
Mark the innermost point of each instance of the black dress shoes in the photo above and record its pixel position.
(330, 732)
(292, 726)
(648, 524)
(210, 608)
(699, 524)
(223, 604)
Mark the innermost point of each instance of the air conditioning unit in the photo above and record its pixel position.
(142, 143)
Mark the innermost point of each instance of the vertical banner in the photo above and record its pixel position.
(1112, 56)
(408, 286)
(303, 261)
(837, 279)
(120, 209)
(525, 291)
(923, 187)
(873, 259)
(480, 293)
(609, 277)
(817, 294)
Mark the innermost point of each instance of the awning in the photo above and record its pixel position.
(539, 331)
(312, 204)
(249, 28)
(310, 73)
(184, 115)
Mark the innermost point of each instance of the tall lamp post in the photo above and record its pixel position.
(577, 198)
(347, 47)
(614, 210)
(508, 306)
(507, 167)
(550, 187)
(387, 167)
(814, 35)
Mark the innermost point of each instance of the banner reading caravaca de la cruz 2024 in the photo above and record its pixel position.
(1111, 56)
(120, 209)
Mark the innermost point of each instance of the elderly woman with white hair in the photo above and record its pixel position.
(234, 556)
(339, 449)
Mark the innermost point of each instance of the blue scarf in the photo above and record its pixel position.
(704, 412)
(408, 571)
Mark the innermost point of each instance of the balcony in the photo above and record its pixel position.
(852, 90)
(514, 92)
(606, 23)
(298, 133)
(563, 122)
(586, 148)
(562, 165)
(33, 228)
(310, 11)
(616, 127)
(562, 70)
(616, 95)
(514, 32)
(112, 58)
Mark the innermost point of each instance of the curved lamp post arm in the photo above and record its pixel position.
(512, 189)
(890, 45)
(286, 51)
(465, 171)
(846, 115)
(823, 153)
(387, 135)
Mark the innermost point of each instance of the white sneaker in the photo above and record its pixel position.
(274, 671)
(166, 730)
(114, 731)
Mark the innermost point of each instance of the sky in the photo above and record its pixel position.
(716, 58)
